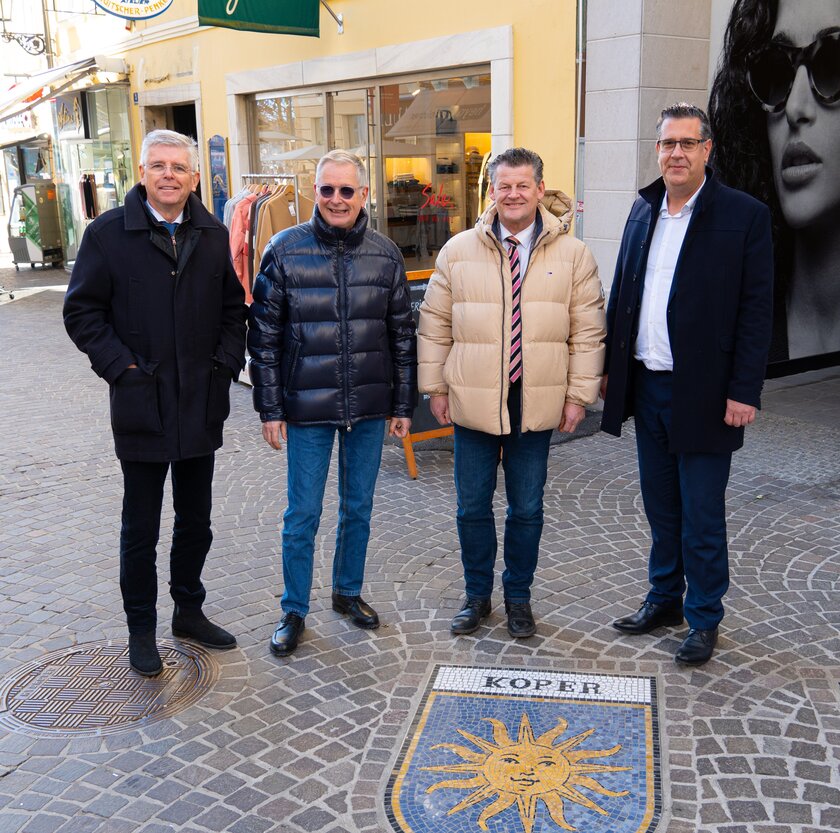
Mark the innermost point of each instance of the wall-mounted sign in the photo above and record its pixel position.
(70, 116)
(134, 9)
(218, 174)
(284, 17)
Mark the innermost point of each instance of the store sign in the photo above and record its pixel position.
(70, 116)
(285, 17)
(134, 9)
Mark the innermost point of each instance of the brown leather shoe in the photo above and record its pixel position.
(649, 617)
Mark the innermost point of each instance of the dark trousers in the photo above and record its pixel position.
(191, 536)
(525, 463)
(684, 498)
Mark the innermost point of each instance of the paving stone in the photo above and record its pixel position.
(750, 740)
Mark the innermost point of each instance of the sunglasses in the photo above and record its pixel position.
(346, 192)
(771, 71)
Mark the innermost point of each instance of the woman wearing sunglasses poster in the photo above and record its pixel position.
(775, 115)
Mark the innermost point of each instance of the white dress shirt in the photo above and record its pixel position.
(524, 248)
(653, 347)
(160, 218)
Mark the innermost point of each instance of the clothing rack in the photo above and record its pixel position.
(278, 178)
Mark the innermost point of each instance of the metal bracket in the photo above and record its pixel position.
(338, 18)
(33, 44)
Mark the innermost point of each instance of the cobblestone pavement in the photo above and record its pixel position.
(750, 742)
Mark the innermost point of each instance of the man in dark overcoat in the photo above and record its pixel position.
(154, 302)
(689, 323)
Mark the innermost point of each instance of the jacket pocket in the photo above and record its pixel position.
(218, 396)
(135, 406)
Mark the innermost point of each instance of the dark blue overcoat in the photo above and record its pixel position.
(719, 314)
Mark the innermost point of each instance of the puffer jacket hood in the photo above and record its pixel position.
(331, 336)
(465, 325)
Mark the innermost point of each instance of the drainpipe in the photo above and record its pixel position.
(581, 11)
(47, 35)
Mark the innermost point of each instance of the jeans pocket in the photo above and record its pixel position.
(218, 396)
(135, 407)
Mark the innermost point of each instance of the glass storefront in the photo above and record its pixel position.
(95, 168)
(424, 139)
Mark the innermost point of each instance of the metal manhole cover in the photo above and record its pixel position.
(90, 690)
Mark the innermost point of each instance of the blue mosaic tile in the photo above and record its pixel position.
(508, 750)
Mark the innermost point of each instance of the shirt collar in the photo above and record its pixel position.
(686, 209)
(524, 237)
(160, 218)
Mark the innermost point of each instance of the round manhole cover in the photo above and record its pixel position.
(90, 690)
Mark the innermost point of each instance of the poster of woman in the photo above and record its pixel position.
(775, 114)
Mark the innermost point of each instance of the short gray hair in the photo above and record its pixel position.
(684, 110)
(343, 157)
(515, 158)
(172, 139)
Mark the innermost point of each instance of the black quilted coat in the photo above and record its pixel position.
(331, 336)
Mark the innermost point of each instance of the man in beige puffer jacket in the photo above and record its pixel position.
(510, 347)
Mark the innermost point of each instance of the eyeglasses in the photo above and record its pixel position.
(346, 192)
(772, 70)
(159, 168)
(688, 145)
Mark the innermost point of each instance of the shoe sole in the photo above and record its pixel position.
(364, 626)
(669, 623)
(216, 646)
(691, 663)
(142, 673)
(278, 653)
(522, 634)
(467, 632)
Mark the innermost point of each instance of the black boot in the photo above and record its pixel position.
(191, 623)
(143, 656)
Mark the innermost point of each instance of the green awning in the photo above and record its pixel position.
(286, 17)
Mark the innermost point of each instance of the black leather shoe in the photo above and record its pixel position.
(360, 612)
(649, 617)
(191, 623)
(520, 620)
(470, 616)
(697, 647)
(143, 656)
(285, 638)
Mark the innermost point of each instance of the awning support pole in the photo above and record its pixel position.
(338, 18)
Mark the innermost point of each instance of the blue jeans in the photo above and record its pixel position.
(192, 482)
(309, 448)
(525, 463)
(684, 498)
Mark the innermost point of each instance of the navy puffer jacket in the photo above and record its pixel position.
(331, 336)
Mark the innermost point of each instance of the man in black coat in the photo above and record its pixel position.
(333, 351)
(154, 302)
(689, 323)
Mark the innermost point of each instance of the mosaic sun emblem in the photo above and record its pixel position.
(525, 771)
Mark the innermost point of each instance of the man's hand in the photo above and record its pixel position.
(572, 417)
(738, 414)
(604, 387)
(272, 432)
(398, 427)
(439, 406)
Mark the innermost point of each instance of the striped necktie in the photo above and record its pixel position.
(515, 322)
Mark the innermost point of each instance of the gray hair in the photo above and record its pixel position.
(515, 158)
(343, 157)
(684, 110)
(172, 139)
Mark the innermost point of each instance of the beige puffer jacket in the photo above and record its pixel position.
(464, 333)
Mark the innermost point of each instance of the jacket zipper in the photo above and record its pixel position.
(342, 319)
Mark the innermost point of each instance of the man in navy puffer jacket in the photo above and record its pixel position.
(333, 351)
